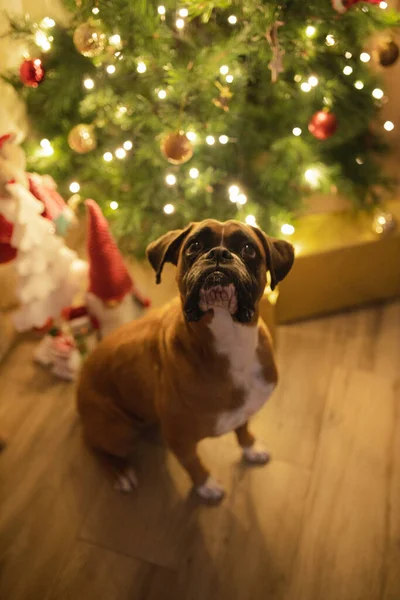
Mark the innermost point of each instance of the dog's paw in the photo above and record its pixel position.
(126, 481)
(256, 454)
(210, 491)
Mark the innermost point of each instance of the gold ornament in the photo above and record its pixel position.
(224, 96)
(176, 148)
(82, 138)
(89, 39)
(388, 53)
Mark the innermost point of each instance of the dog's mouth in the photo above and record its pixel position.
(218, 292)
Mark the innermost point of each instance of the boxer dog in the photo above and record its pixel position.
(202, 365)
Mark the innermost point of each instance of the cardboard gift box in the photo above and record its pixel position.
(341, 262)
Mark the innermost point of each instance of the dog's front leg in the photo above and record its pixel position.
(205, 486)
(253, 451)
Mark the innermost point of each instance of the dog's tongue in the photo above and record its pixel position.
(219, 296)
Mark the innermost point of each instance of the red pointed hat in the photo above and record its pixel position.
(109, 279)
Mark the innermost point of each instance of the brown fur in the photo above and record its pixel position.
(163, 369)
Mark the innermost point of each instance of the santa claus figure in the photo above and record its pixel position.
(112, 297)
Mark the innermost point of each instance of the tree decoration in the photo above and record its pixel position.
(32, 72)
(224, 97)
(82, 138)
(323, 124)
(276, 64)
(177, 148)
(341, 6)
(388, 53)
(89, 39)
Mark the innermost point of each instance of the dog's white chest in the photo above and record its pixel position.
(239, 343)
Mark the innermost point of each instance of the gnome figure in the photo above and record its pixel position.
(112, 297)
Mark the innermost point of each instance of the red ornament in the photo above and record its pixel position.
(323, 125)
(31, 72)
(342, 5)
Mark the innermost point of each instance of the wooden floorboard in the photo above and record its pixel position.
(322, 521)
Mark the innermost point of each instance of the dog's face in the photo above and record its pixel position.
(221, 265)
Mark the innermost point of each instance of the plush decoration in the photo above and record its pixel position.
(112, 297)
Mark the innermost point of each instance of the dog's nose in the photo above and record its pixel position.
(219, 255)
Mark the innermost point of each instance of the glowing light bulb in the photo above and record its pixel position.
(161, 10)
(388, 125)
(348, 55)
(141, 68)
(115, 39)
(251, 220)
(88, 83)
(183, 12)
(223, 139)
(210, 140)
(74, 187)
(233, 193)
(113, 205)
(128, 145)
(296, 131)
(242, 199)
(348, 70)
(191, 136)
(169, 209)
(48, 151)
(297, 78)
(110, 69)
(313, 81)
(359, 160)
(330, 40)
(359, 85)
(120, 153)
(194, 173)
(95, 10)
(45, 143)
(377, 93)
(180, 23)
(365, 57)
(42, 41)
(310, 31)
(170, 179)
(162, 94)
(287, 229)
(107, 156)
(47, 22)
(383, 5)
(122, 110)
(232, 19)
(224, 70)
(229, 78)
(312, 176)
(305, 87)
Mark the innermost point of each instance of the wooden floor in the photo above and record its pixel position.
(321, 522)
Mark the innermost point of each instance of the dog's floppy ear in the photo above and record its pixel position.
(166, 249)
(280, 256)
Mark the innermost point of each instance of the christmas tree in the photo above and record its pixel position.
(167, 114)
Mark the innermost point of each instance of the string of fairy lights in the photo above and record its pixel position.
(312, 175)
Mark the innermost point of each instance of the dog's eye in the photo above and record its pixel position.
(248, 251)
(193, 248)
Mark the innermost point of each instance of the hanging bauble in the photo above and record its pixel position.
(177, 148)
(89, 39)
(342, 5)
(31, 72)
(388, 53)
(82, 138)
(323, 124)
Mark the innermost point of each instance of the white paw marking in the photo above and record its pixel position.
(256, 454)
(210, 490)
(127, 481)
